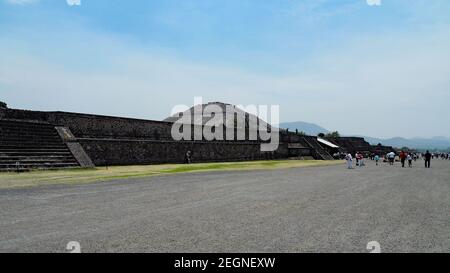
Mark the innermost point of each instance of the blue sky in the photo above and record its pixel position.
(378, 70)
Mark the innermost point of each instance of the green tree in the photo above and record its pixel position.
(3, 104)
(333, 135)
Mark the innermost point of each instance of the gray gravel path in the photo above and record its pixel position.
(317, 209)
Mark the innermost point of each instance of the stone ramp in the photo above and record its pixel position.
(32, 145)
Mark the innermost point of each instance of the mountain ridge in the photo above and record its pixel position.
(306, 127)
(437, 142)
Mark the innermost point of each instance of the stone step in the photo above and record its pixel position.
(32, 147)
(35, 155)
(35, 150)
(15, 123)
(37, 161)
(25, 132)
(31, 143)
(30, 139)
(17, 126)
(19, 129)
(9, 167)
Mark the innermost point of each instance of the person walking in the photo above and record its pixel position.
(377, 159)
(403, 158)
(349, 160)
(428, 157)
(410, 160)
(391, 157)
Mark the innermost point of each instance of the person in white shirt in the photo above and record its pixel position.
(349, 159)
(391, 157)
(410, 160)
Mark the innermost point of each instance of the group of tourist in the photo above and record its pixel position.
(405, 157)
(443, 156)
(359, 157)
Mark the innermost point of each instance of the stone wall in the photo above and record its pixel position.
(126, 152)
(123, 141)
(95, 126)
(87, 125)
(6, 113)
(382, 150)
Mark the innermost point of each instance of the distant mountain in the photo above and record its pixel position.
(439, 142)
(442, 138)
(308, 128)
(414, 143)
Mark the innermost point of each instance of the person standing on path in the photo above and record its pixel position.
(349, 159)
(361, 160)
(377, 159)
(188, 157)
(428, 157)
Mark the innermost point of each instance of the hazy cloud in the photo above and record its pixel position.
(368, 81)
(384, 82)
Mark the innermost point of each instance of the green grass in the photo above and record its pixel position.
(82, 176)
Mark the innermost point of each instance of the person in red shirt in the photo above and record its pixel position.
(403, 156)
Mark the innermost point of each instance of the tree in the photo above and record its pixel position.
(3, 104)
(333, 135)
(321, 135)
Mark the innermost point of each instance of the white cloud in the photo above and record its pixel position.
(377, 85)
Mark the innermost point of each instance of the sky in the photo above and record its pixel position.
(367, 67)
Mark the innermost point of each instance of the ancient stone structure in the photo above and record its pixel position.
(353, 145)
(61, 139)
(358, 144)
(26, 144)
(382, 150)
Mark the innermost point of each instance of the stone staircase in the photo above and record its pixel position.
(321, 153)
(31, 145)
